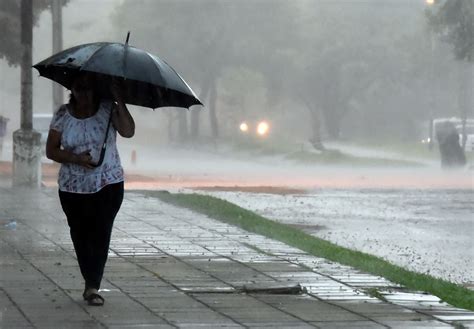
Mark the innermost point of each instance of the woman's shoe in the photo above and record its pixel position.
(93, 298)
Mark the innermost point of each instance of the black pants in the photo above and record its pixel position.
(90, 218)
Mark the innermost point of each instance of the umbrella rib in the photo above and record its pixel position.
(104, 44)
(172, 69)
(158, 67)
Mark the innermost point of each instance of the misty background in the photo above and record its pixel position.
(342, 70)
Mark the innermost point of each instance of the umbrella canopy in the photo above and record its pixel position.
(146, 79)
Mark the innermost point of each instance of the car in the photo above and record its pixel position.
(260, 128)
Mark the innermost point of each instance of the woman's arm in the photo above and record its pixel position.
(121, 117)
(123, 120)
(55, 153)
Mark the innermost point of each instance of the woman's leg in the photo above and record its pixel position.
(77, 208)
(107, 204)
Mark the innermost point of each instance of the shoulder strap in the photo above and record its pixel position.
(104, 145)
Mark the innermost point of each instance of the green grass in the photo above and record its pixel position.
(222, 210)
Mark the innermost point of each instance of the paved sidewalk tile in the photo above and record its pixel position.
(171, 268)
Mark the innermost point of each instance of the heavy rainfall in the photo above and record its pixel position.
(352, 120)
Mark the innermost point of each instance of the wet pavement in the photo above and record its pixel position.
(171, 268)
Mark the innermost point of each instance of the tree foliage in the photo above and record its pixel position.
(360, 63)
(453, 20)
(202, 39)
(10, 25)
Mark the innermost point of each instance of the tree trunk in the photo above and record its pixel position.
(465, 97)
(57, 20)
(26, 141)
(316, 139)
(333, 118)
(26, 62)
(212, 111)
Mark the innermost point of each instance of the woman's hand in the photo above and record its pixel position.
(116, 91)
(55, 153)
(85, 159)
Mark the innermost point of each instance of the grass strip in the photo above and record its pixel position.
(230, 213)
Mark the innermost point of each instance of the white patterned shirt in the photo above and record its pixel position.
(80, 135)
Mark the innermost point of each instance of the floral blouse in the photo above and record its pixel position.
(80, 135)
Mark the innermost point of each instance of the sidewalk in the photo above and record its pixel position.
(172, 268)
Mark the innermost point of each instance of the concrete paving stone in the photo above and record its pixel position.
(183, 302)
(313, 310)
(457, 317)
(162, 294)
(467, 324)
(10, 317)
(237, 301)
(294, 325)
(204, 325)
(86, 324)
(276, 268)
(348, 324)
(372, 307)
(114, 313)
(402, 316)
(260, 316)
(197, 317)
(141, 326)
(452, 312)
(245, 309)
(199, 285)
(142, 284)
(417, 324)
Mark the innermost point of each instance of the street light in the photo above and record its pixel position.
(430, 2)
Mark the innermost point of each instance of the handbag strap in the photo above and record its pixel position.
(104, 145)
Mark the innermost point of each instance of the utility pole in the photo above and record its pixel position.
(57, 20)
(26, 141)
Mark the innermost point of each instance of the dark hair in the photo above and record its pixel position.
(96, 97)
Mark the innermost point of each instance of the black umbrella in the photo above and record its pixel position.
(146, 79)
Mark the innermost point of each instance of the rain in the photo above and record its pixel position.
(319, 114)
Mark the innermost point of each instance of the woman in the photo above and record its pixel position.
(90, 193)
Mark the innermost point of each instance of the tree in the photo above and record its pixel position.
(204, 38)
(454, 21)
(10, 25)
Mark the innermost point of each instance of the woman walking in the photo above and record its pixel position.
(90, 183)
